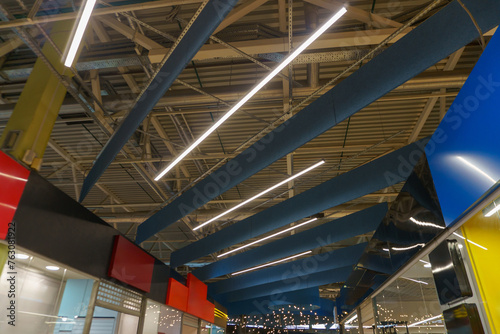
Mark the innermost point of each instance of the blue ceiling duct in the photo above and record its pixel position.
(208, 20)
(378, 174)
(348, 256)
(322, 235)
(276, 288)
(434, 39)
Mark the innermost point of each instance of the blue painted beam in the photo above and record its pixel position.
(340, 229)
(434, 39)
(347, 256)
(378, 174)
(276, 288)
(208, 20)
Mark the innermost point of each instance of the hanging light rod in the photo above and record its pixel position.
(270, 263)
(268, 237)
(254, 90)
(88, 7)
(262, 193)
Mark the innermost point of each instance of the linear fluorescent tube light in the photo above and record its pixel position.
(495, 209)
(80, 30)
(249, 95)
(262, 193)
(270, 263)
(269, 236)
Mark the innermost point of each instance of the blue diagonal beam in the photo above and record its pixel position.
(309, 281)
(208, 20)
(347, 256)
(340, 229)
(434, 39)
(378, 174)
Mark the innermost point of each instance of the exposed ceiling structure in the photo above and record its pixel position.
(127, 40)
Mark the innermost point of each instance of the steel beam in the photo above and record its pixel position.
(207, 19)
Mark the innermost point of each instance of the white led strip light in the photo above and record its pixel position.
(261, 193)
(270, 263)
(80, 30)
(268, 237)
(254, 91)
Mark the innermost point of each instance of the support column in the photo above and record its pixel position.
(485, 231)
(3, 256)
(28, 129)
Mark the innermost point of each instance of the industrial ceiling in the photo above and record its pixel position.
(125, 43)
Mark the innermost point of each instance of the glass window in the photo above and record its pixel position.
(161, 319)
(48, 297)
(410, 303)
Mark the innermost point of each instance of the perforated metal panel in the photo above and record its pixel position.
(119, 299)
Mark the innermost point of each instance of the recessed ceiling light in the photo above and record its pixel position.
(22, 256)
(53, 268)
(427, 265)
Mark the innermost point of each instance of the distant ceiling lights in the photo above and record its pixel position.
(270, 263)
(254, 90)
(80, 30)
(268, 237)
(262, 193)
(52, 268)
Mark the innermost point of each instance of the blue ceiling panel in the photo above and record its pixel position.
(316, 263)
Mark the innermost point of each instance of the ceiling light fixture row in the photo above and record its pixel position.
(254, 90)
(261, 193)
(268, 237)
(270, 263)
(83, 20)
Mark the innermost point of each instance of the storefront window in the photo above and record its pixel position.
(48, 297)
(410, 304)
(351, 324)
(161, 319)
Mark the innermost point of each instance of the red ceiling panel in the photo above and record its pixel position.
(177, 295)
(130, 264)
(13, 178)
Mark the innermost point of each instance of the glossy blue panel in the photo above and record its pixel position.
(413, 219)
(464, 152)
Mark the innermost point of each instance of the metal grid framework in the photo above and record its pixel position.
(123, 49)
